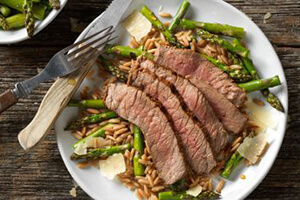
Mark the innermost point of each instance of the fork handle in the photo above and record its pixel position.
(7, 99)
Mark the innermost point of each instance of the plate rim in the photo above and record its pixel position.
(285, 104)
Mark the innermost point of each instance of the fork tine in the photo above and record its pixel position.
(73, 53)
(65, 50)
(90, 53)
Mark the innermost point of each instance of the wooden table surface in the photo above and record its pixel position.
(41, 174)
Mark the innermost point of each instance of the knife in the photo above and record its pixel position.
(64, 88)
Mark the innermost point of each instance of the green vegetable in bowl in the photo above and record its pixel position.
(25, 13)
(4, 10)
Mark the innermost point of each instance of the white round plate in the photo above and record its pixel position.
(14, 36)
(268, 64)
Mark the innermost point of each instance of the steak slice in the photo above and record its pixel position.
(187, 62)
(229, 115)
(195, 146)
(133, 105)
(196, 102)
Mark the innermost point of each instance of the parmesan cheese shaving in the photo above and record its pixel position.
(112, 166)
(262, 116)
(194, 191)
(137, 25)
(80, 149)
(259, 126)
(252, 148)
(90, 142)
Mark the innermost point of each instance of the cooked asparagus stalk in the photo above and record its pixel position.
(88, 103)
(98, 133)
(38, 9)
(94, 118)
(271, 98)
(160, 26)
(260, 84)
(14, 22)
(4, 10)
(115, 70)
(29, 18)
(101, 152)
(179, 15)
(127, 51)
(238, 75)
(3, 22)
(248, 86)
(138, 145)
(215, 28)
(231, 164)
(170, 195)
(235, 48)
(55, 4)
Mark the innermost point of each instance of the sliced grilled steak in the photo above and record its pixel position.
(186, 62)
(133, 105)
(196, 102)
(229, 115)
(195, 146)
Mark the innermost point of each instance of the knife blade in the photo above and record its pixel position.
(58, 96)
(112, 15)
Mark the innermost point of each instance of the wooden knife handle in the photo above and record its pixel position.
(7, 99)
(52, 105)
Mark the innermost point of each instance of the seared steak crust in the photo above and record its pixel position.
(233, 120)
(195, 146)
(196, 103)
(187, 62)
(133, 105)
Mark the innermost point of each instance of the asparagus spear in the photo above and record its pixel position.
(160, 26)
(113, 69)
(231, 164)
(127, 51)
(94, 118)
(138, 145)
(3, 22)
(248, 86)
(271, 98)
(239, 76)
(14, 22)
(170, 195)
(29, 18)
(89, 103)
(38, 10)
(4, 10)
(235, 48)
(98, 133)
(179, 15)
(101, 152)
(55, 4)
(260, 84)
(215, 28)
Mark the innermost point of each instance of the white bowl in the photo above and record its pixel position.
(18, 35)
(268, 64)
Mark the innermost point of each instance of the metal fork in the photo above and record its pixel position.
(61, 64)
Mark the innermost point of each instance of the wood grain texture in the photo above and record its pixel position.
(41, 174)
